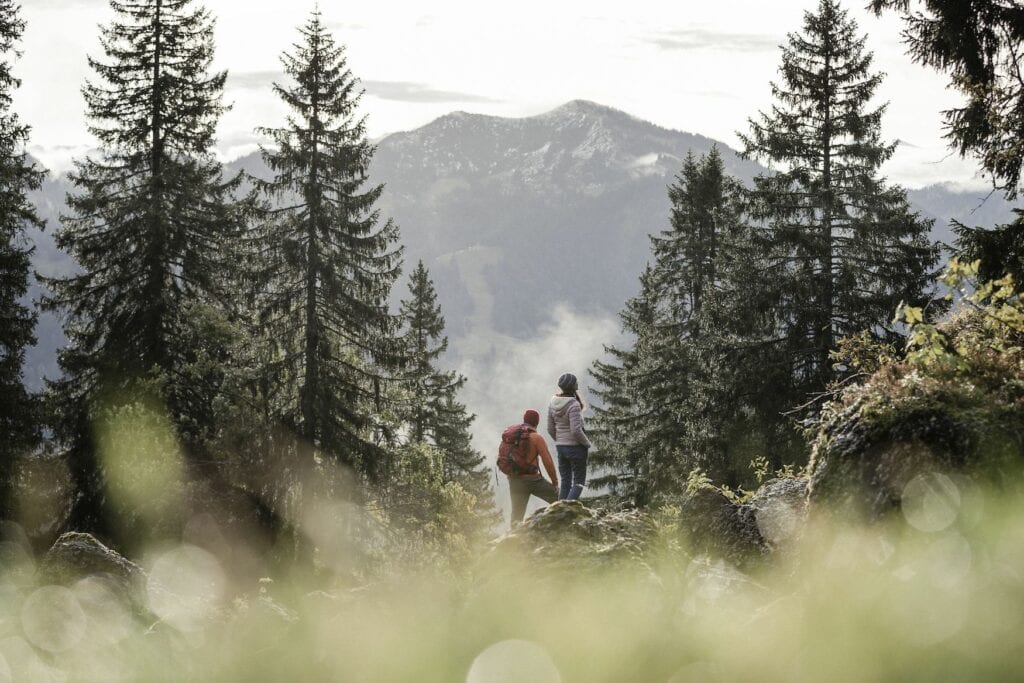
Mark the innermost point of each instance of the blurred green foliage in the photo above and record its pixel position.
(848, 603)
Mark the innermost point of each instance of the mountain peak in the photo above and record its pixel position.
(575, 108)
(584, 106)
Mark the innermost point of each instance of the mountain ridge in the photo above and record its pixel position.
(518, 218)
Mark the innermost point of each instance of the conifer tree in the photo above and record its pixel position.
(626, 422)
(151, 224)
(329, 262)
(18, 428)
(1000, 249)
(845, 247)
(704, 205)
(980, 44)
(709, 276)
(668, 399)
(431, 411)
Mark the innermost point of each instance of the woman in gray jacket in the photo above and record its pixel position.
(565, 425)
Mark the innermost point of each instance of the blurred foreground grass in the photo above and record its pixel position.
(937, 594)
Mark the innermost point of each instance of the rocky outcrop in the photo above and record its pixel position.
(779, 510)
(862, 467)
(76, 555)
(715, 525)
(711, 523)
(745, 533)
(570, 532)
(959, 412)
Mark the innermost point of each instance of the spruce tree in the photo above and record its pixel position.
(1000, 249)
(708, 273)
(18, 428)
(704, 205)
(151, 223)
(980, 44)
(668, 400)
(432, 411)
(845, 247)
(329, 262)
(626, 422)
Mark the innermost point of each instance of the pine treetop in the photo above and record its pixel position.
(155, 92)
(826, 83)
(327, 262)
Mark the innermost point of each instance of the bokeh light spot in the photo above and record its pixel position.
(185, 587)
(52, 619)
(931, 502)
(513, 661)
(107, 614)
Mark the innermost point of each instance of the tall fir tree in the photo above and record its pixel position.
(845, 247)
(329, 263)
(668, 400)
(708, 268)
(626, 422)
(151, 224)
(980, 44)
(18, 419)
(432, 411)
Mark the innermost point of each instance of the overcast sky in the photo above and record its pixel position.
(702, 67)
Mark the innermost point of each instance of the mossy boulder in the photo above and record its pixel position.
(570, 532)
(716, 525)
(78, 555)
(959, 408)
(779, 509)
(744, 532)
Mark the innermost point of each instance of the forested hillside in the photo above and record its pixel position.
(486, 201)
(263, 418)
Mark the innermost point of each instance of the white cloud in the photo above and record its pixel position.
(723, 41)
(915, 167)
(473, 51)
(58, 160)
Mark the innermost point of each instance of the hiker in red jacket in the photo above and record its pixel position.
(530, 482)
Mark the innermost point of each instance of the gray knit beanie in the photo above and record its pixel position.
(567, 383)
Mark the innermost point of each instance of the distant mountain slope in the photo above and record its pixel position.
(47, 259)
(516, 216)
(973, 208)
(513, 216)
(557, 206)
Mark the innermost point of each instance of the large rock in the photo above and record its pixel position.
(715, 525)
(862, 465)
(77, 555)
(745, 533)
(779, 509)
(570, 532)
(959, 409)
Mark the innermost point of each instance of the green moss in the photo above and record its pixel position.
(956, 405)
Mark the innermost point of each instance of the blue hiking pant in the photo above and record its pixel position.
(572, 470)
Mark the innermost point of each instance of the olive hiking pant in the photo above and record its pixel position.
(521, 490)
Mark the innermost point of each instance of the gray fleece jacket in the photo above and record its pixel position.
(565, 423)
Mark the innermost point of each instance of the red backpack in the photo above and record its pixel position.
(513, 452)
